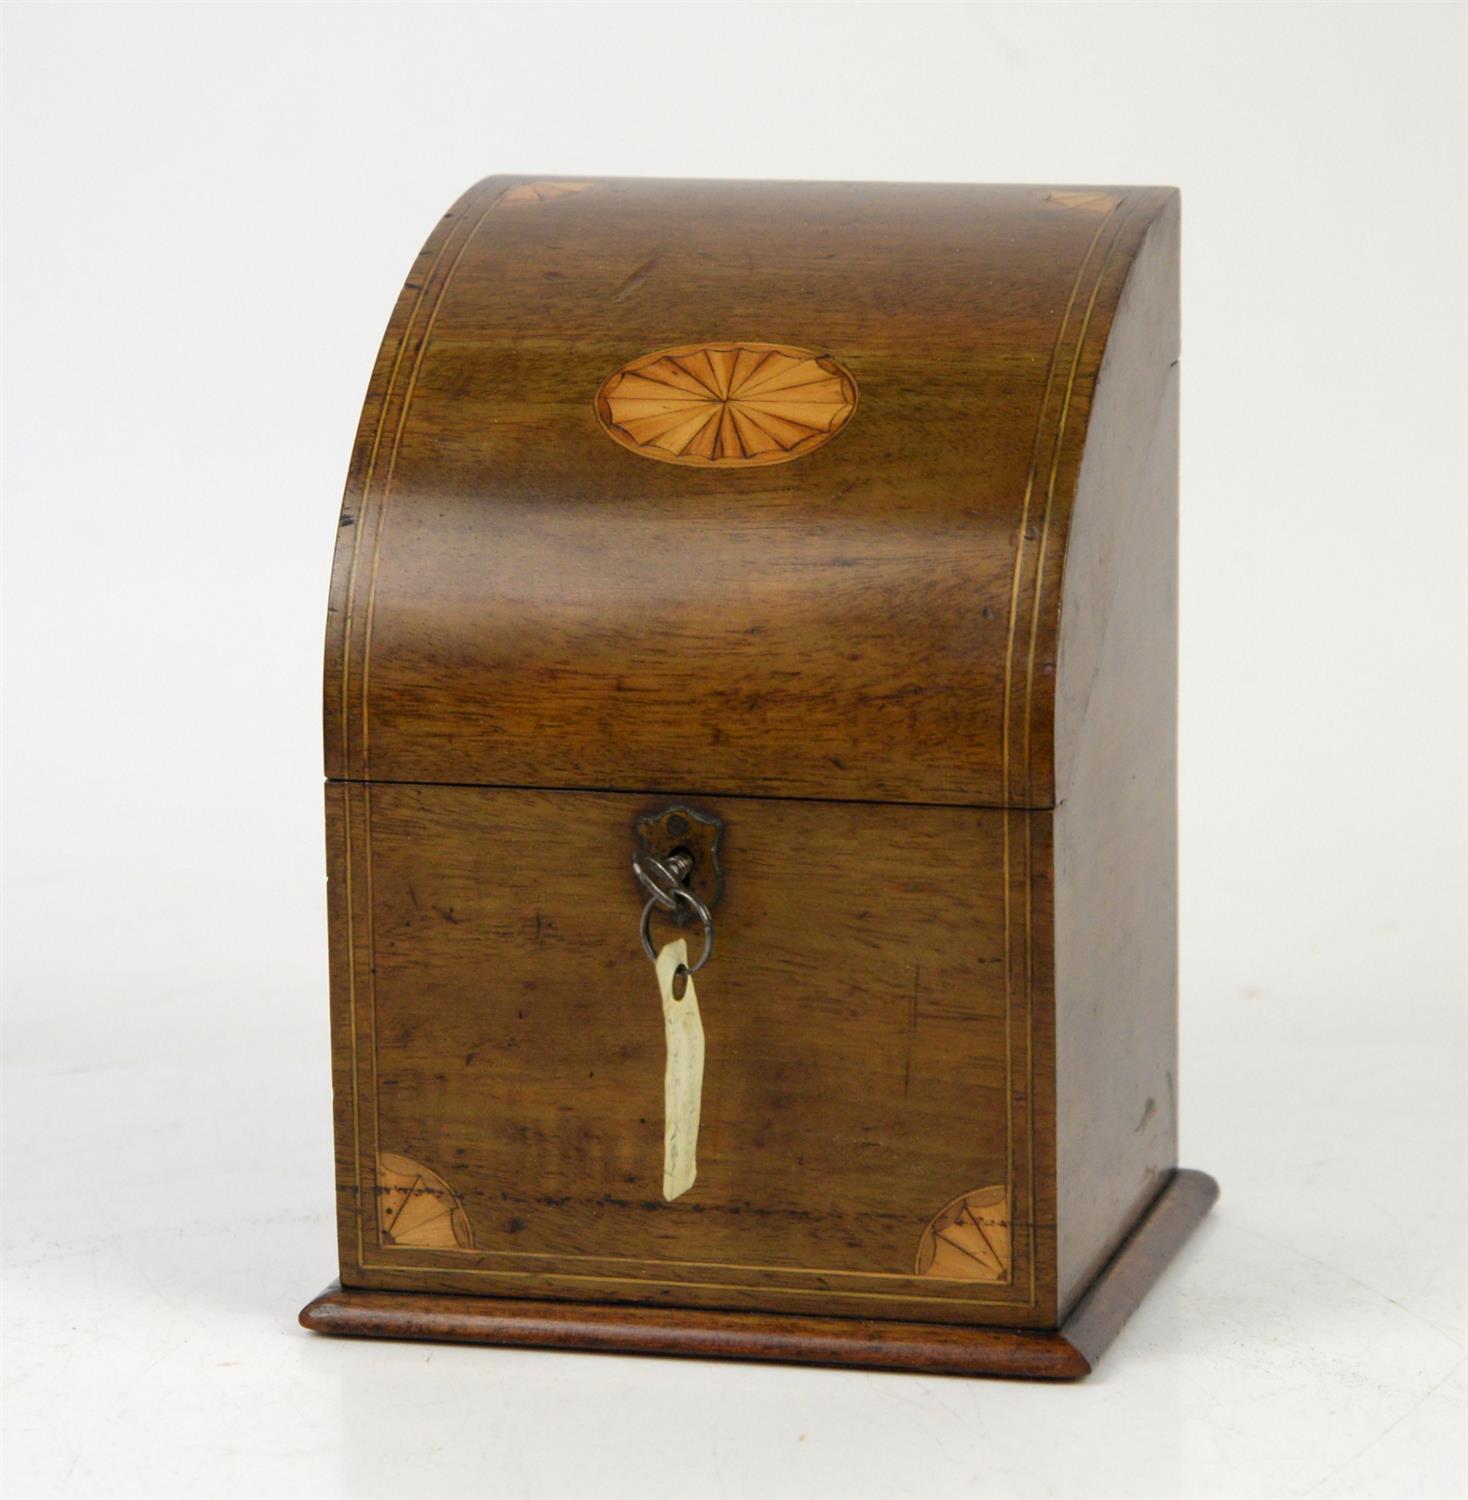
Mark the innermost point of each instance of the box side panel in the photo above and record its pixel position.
(1116, 753)
(875, 1132)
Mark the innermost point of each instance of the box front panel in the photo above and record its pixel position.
(871, 1140)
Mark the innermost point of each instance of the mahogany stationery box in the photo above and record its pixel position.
(750, 719)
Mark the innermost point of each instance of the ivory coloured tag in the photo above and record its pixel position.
(683, 1079)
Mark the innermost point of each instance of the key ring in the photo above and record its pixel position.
(664, 895)
(679, 893)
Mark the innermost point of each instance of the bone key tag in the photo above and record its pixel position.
(683, 1078)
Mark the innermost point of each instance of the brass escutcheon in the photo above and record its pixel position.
(679, 830)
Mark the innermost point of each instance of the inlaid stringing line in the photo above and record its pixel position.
(1004, 773)
(1055, 456)
(764, 1288)
(366, 650)
(359, 1207)
(1024, 516)
(1004, 818)
(1005, 742)
(392, 465)
(1030, 1027)
(1057, 448)
(763, 1268)
(560, 1256)
(359, 526)
(359, 520)
(372, 993)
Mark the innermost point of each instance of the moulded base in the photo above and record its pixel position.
(1065, 1353)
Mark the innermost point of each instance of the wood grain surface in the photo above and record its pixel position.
(872, 1048)
(516, 601)
(919, 659)
(1061, 1354)
(1115, 832)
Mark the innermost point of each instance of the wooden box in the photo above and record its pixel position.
(827, 531)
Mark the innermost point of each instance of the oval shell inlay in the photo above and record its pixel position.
(727, 405)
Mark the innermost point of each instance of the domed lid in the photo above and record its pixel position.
(755, 488)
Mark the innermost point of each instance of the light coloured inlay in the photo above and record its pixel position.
(1090, 199)
(539, 192)
(727, 405)
(969, 1240)
(417, 1208)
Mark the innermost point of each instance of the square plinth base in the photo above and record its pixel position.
(1065, 1353)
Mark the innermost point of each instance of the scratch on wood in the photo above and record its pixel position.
(635, 280)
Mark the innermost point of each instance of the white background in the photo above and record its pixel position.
(209, 210)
